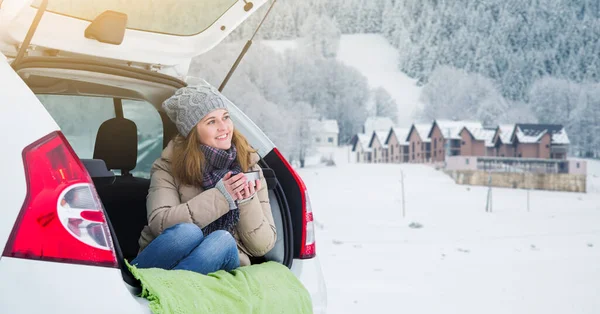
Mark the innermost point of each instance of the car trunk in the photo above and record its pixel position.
(123, 194)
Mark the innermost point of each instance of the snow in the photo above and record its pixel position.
(363, 140)
(330, 126)
(453, 128)
(377, 60)
(486, 135)
(462, 260)
(401, 135)
(327, 126)
(506, 132)
(280, 45)
(423, 130)
(561, 138)
(377, 124)
(529, 138)
(593, 177)
(381, 137)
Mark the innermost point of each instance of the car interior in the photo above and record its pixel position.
(115, 152)
(124, 195)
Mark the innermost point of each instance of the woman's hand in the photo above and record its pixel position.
(235, 185)
(251, 189)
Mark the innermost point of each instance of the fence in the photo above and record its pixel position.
(516, 165)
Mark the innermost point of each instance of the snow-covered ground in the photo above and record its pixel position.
(377, 60)
(593, 177)
(462, 260)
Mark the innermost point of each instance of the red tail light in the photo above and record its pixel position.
(307, 249)
(62, 218)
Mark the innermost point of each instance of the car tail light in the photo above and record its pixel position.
(308, 247)
(62, 219)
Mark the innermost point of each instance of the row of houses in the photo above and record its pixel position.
(432, 142)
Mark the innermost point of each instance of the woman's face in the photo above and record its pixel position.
(216, 129)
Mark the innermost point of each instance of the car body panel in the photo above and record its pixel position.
(165, 52)
(28, 122)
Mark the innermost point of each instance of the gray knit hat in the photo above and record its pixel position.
(192, 103)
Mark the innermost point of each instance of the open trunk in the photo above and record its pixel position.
(110, 115)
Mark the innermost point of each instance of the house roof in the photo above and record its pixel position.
(330, 126)
(451, 129)
(377, 124)
(401, 135)
(505, 132)
(362, 139)
(381, 137)
(533, 133)
(423, 130)
(327, 126)
(482, 134)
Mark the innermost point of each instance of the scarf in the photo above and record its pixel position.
(218, 163)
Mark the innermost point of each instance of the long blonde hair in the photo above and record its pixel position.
(188, 160)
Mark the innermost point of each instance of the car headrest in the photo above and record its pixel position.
(116, 144)
(97, 168)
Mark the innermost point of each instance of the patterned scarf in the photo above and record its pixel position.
(218, 163)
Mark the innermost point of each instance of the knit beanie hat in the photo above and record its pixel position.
(191, 104)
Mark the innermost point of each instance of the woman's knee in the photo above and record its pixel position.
(185, 233)
(185, 229)
(224, 239)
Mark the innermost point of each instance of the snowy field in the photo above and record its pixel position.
(462, 260)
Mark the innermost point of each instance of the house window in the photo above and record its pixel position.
(392, 149)
(547, 146)
(577, 165)
(330, 139)
(463, 142)
(467, 161)
(318, 140)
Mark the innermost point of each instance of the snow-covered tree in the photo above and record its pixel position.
(320, 36)
(455, 94)
(383, 105)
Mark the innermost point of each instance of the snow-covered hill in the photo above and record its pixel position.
(377, 60)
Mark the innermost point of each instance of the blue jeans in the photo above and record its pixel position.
(183, 246)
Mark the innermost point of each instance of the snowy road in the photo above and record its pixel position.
(463, 260)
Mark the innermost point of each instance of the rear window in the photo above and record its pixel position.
(182, 17)
(80, 117)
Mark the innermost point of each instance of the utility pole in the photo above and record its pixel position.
(447, 147)
(488, 205)
(403, 200)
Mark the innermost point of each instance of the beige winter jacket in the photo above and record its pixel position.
(170, 203)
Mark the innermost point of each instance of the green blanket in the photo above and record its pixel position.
(264, 288)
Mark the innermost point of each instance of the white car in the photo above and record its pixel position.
(81, 84)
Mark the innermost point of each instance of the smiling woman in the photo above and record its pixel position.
(181, 17)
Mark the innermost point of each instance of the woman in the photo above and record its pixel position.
(203, 215)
